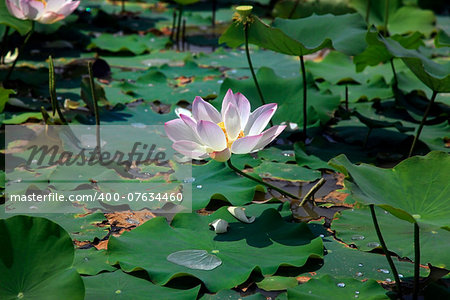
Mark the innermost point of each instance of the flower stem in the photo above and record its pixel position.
(346, 97)
(312, 191)
(394, 72)
(94, 100)
(368, 11)
(123, 6)
(386, 251)
(366, 140)
(174, 22)
(52, 90)
(305, 114)
(287, 194)
(416, 261)
(422, 123)
(180, 14)
(213, 19)
(386, 18)
(247, 52)
(22, 47)
(294, 8)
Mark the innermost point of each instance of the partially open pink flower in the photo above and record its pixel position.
(46, 12)
(235, 130)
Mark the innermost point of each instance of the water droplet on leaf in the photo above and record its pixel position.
(385, 271)
(357, 237)
(189, 180)
(288, 153)
(138, 125)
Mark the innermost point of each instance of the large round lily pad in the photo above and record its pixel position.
(433, 74)
(342, 260)
(216, 180)
(298, 37)
(91, 261)
(328, 287)
(356, 227)
(416, 190)
(36, 259)
(240, 249)
(119, 285)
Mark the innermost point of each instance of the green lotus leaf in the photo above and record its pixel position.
(81, 228)
(392, 131)
(36, 261)
(189, 69)
(356, 227)
(415, 190)
(277, 155)
(372, 91)
(376, 53)
(401, 19)
(210, 179)
(19, 118)
(434, 75)
(91, 261)
(136, 114)
(195, 259)
(4, 97)
(277, 283)
(328, 287)
(143, 62)
(442, 39)
(240, 161)
(304, 159)
(342, 260)
(113, 285)
(298, 37)
(337, 67)
(231, 59)
(133, 43)
(287, 92)
(283, 8)
(346, 35)
(232, 295)
(154, 85)
(290, 172)
(240, 249)
(185, 2)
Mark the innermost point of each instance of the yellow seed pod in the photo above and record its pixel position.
(243, 14)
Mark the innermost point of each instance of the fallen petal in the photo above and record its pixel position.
(219, 226)
(239, 213)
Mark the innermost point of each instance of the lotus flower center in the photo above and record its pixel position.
(229, 142)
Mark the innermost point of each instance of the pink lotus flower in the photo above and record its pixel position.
(46, 12)
(235, 130)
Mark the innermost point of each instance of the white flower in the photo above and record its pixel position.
(235, 130)
(46, 12)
